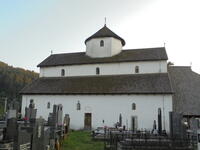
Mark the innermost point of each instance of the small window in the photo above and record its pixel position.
(133, 106)
(62, 72)
(48, 105)
(97, 71)
(78, 106)
(101, 43)
(136, 69)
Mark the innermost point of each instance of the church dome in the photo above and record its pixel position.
(105, 32)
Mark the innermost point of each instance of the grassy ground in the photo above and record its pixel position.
(81, 140)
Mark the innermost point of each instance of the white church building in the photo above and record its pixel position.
(98, 85)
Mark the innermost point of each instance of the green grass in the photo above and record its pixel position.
(81, 140)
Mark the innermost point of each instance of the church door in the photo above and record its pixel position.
(88, 121)
(134, 123)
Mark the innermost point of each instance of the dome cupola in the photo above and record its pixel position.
(104, 43)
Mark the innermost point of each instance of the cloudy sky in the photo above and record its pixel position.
(29, 30)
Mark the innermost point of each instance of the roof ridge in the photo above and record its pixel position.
(67, 53)
(180, 66)
(143, 48)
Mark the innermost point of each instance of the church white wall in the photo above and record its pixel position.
(107, 108)
(105, 69)
(116, 46)
(111, 47)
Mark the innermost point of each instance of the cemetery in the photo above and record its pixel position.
(31, 133)
(180, 137)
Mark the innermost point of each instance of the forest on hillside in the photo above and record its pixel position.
(12, 80)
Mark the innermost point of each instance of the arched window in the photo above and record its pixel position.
(48, 105)
(78, 106)
(101, 43)
(136, 69)
(133, 106)
(62, 72)
(97, 71)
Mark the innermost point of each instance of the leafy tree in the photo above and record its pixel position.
(12, 80)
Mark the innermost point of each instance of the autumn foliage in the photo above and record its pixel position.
(12, 80)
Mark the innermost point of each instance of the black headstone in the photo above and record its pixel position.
(159, 121)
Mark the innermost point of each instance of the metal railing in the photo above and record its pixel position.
(129, 140)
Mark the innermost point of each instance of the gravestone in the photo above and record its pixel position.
(159, 121)
(30, 112)
(66, 123)
(177, 127)
(11, 129)
(59, 115)
(55, 118)
(38, 135)
(24, 136)
(194, 124)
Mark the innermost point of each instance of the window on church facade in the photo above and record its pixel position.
(133, 106)
(136, 69)
(97, 71)
(78, 106)
(48, 105)
(101, 43)
(62, 72)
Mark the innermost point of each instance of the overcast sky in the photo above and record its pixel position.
(29, 30)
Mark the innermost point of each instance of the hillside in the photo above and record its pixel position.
(12, 80)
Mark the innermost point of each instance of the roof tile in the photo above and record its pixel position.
(105, 32)
(148, 54)
(109, 84)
